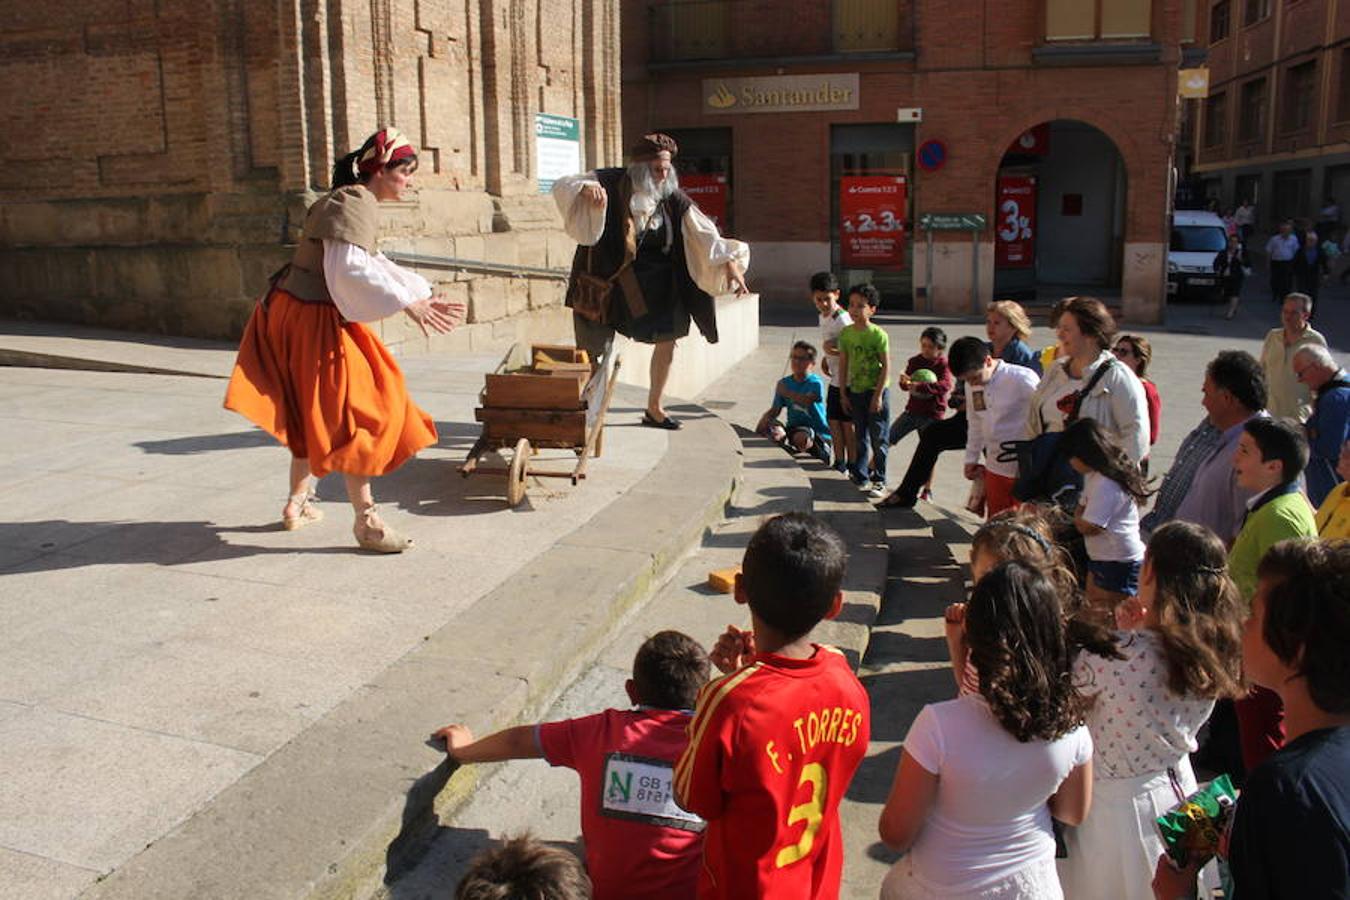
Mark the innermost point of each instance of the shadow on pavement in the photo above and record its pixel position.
(453, 435)
(872, 782)
(129, 543)
(898, 697)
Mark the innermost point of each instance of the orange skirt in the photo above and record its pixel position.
(327, 389)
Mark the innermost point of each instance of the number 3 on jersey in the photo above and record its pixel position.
(812, 812)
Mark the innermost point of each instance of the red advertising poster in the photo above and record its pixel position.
(1015, 223)
(1034, 142)
(709, 191)
(872, 210)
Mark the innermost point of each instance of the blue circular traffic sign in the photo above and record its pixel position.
(932, 155)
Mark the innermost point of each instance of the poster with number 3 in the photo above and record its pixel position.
(872, 211)
(1015, 222)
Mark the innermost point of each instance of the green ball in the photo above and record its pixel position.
(925, 376)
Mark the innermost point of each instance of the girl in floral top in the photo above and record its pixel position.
(1147, 706)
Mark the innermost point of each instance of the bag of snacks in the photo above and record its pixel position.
(1197, 823)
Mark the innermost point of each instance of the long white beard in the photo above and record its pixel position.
(647, 194)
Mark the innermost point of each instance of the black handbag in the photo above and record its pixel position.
(1043, 473)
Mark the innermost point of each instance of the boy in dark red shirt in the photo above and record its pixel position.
(927, 396)
(639, 843)
(774, 743)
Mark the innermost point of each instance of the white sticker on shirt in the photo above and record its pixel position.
(639, 788)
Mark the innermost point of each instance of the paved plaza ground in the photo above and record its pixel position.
(168, 656)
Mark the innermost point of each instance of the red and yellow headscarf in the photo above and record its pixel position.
(387, 146)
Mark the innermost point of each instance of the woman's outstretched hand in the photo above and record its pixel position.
(436, 314)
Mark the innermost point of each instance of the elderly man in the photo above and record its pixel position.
(648, 261)
(1288, 398)
(1201, 487)
(1328, 427)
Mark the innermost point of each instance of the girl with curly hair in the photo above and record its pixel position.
(1146, 707)
(981, 776)
(1025, 534)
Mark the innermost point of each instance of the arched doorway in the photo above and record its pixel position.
(1059, 213)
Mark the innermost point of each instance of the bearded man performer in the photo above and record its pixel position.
(657, 260)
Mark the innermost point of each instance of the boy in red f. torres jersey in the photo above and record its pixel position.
(774, 743)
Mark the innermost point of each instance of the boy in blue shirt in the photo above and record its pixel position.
(802, 394)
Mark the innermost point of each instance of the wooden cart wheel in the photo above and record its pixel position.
(520, 470)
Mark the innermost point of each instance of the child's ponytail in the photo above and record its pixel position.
(1085, 440)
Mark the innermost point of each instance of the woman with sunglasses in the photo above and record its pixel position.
(1136, 352)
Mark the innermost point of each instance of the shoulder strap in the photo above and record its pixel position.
(1092, 383)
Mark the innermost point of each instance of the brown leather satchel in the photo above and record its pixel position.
(591, 294)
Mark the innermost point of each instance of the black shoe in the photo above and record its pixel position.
(897, 501)
(668, 423)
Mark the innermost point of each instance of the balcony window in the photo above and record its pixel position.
(1086, 20)
(1256, 10)
(863, 25)
(1216, 125)
(691, 29)
(1219, 20)
(1299, 90)
(1252, 122)
(1343, 95)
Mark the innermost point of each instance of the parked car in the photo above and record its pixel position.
(1197, 237)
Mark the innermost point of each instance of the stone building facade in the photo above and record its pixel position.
(1275, 126)
(157, 156)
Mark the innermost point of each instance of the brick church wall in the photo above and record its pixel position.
(157, 156)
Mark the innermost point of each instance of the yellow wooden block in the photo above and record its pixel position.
(724, 580)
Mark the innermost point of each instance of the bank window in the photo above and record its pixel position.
(1252, 123)
(1256, 10)
(862, 25)
(1216, 125)
(1299, 88)
(1077, 20)
(1343, 96)
(1219, 21)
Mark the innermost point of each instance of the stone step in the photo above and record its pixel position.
(528, 795)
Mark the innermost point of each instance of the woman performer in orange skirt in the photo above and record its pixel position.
(312, 374)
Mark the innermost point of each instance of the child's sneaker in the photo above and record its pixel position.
(878, 489)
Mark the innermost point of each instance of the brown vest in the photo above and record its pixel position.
(348, 214)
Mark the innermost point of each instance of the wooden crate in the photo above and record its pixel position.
(543, 427)
(542, 354)
(524, 390)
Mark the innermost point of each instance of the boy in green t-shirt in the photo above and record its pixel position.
(1271, 454)
(865, 361)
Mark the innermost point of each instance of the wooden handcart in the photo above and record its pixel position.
(548, 403)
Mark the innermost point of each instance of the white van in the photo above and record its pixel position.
(1197, 237)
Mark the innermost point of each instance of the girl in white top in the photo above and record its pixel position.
(1147, 706)
(1086, 331)
(980, 776)
(1107, 514)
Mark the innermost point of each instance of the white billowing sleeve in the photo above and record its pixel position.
(707, 253)
(368, 288)
(583, 221)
